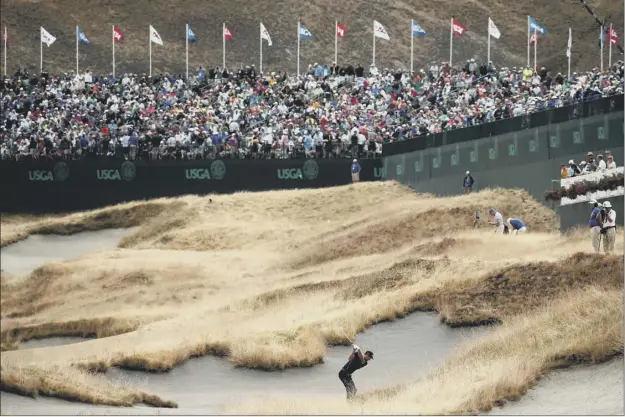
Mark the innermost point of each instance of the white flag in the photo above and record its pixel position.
(264, 34)
(46, 37)
(569, 45)
(493, 30)
(154, 36)
(379, 30)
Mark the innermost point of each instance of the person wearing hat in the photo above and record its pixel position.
(594, 223)
(516, 226)
(609, 227)
(498, 221)
(356, 361)
(467, 182)
(355, 171)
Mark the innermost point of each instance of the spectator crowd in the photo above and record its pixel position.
(590, 165)
(328, 112)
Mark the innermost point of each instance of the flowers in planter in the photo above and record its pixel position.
(583, 187)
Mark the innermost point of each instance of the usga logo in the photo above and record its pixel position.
(59, 173)
(217, 171)
(127, 172)
(309, 171)
(379, 172)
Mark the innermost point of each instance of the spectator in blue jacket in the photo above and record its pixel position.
(595, 225)
(355, 171)
(516, 226)
(467, 182)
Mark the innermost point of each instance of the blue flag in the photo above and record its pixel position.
(81, 36)
(304, 33)
(190, 35)
(417, 30)
(536, 25)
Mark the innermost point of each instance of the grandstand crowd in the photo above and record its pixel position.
(328, 112)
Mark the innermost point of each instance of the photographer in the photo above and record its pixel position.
(608, 229)
(595, 225)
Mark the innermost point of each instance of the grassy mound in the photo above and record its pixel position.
(270, 279)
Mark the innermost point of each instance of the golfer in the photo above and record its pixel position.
(356, 361)
(516, 226)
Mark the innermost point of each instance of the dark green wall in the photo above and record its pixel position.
(528, 159)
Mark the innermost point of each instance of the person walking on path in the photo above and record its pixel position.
(355, 171)
(467, 183)
(356, 361)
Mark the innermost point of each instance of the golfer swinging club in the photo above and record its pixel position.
(356, 361)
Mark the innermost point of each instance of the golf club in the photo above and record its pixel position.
(345, 334)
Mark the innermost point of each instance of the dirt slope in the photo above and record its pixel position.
(59, 17)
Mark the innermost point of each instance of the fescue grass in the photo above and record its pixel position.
(581, 326)
(72, 385)
(270, 279)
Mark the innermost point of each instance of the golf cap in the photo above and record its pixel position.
(467, 173)
(369, 353)
(592, 201)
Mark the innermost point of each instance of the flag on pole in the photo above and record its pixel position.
(154, 36)
(118, 36)
(304, 33)
(536, 25)
(46, 37)
(264, 34)
(569, 45)
(493, 30)
(457, 28)
(341, 30)
(417, 30)
(190, 35)
(613, 36)
(534, 39)
(380, 32)
(82, 37)
(227, 34)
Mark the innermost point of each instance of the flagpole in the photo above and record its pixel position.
(150, 41)
(298, 26)
(223, 40)
(535, 43)
(451, 39)
(488, 53)
(5, 51)
(373, 44)
(609, 47)
(113, 40)
(601, 41)
(76, 50)
(528, 41)
(40, 53)
(411, 47)
(336, 41)
(570, 53)
(186, 35)
(261, 49)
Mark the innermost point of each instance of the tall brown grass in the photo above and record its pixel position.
(583, 325)
(270, 279)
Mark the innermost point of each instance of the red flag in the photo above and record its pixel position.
(340, 30)
(117, 35)
(613, 37)
(534, 39)
(457, 28)
(227, 33)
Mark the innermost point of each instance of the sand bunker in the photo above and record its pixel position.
(270, 279)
